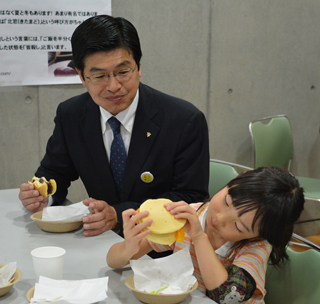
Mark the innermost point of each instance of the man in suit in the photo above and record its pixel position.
(165, 138)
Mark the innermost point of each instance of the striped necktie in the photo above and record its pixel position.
(118, 153)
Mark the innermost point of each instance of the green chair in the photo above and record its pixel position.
(309, 241)
(296, 281)
(273, 146)
(221, 172)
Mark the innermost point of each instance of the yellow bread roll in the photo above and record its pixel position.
(165, 228)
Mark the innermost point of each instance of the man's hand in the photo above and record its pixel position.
(31, 198)
(103, 217)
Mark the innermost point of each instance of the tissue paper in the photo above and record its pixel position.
(73, 292)
(175, 270)
(6, 273)
(69, 213)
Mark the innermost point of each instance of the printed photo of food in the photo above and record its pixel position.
(61, 64)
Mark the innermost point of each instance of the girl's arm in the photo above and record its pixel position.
(135, 244)
(212, 271)
(240, 285)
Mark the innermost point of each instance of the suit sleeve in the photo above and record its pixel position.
(191, 168)
(57, 163)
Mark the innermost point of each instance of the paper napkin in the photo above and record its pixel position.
(74, 212)
(73, 292)
(6, 273)
(175, 270)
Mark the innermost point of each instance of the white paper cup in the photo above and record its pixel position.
(48, 262)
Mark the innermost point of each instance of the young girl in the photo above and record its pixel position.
(231, 238)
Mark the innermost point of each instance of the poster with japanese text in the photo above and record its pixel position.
(35, 39)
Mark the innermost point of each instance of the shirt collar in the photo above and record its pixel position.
(126, 117)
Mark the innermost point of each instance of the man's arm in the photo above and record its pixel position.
(191, 168)
(57, 162)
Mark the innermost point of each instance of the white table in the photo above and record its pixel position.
(85, 257)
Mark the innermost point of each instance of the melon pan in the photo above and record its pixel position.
(163, 221)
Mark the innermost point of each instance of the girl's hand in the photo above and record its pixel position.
(134, 231)
(183, 210)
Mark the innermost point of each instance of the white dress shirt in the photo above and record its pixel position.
(126, 119)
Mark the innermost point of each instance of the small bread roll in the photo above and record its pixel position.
(44, 187)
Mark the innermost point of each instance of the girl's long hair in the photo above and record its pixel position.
(278, 199)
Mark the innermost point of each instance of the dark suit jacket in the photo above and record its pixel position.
(176, 152)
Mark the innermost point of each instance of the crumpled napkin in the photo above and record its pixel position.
(73, 292)
(175, 270)
(74, 212)
(6, 273)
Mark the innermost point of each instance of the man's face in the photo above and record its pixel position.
(113, 95)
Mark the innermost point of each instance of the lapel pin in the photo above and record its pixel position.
(147, 177)
(148, 134)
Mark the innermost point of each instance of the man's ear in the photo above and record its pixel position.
(140, 70)
(80, 75)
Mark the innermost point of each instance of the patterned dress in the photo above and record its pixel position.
(252, 258)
